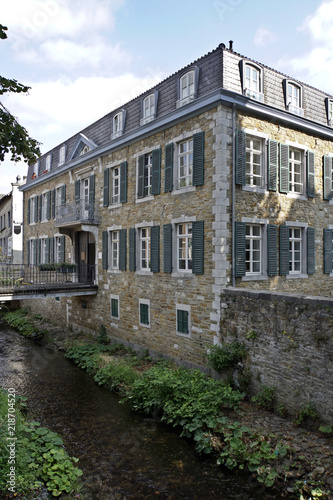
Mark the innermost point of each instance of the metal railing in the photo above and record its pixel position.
(79, 211)
(22, 276)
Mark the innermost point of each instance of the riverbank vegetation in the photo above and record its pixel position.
(32, 458)
(210, 412)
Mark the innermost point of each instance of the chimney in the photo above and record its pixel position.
(230, 44)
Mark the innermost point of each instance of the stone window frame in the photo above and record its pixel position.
(187, 308)
(42, 242)
(138, 227)
(32, 242)
(330, 226)
(185, 136)
(303, 226)
(264, 249)
(264, 138)
(143, 152)
(145, 302)
(44, 199)
(56, 248)
(33, 209)
(110, 230)
(175, 222)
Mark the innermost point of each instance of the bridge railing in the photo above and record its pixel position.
(28, 276)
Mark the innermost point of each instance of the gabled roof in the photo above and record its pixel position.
(81, 143)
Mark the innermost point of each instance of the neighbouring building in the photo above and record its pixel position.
(11, 224)
(219, 175)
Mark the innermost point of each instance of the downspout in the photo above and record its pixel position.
(233, 193)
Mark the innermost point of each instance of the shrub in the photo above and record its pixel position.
(225, 355)
(117, 376)
(265, 397)
(20, 321)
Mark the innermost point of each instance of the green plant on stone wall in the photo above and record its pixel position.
(251, 334)
(307, 412)
(222, 356)
(265, 397)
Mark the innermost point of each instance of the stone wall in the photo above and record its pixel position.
(293, 345)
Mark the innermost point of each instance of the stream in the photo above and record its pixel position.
(123, 455)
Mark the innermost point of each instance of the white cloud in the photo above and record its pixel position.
(264, 37)
(315, 66)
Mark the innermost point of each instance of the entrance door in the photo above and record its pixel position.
(85, 256)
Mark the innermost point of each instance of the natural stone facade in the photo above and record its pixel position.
(289, 343)
(255, 208)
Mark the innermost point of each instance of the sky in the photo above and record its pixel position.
(84, 58)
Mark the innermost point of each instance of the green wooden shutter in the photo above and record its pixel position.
(92, 188)
(240, 245)
(35, 256)
(106, 188)
(53, 203)
(310, 170)
(39, 250)
(28, 251)
(47, 250)
(40, 208)
(105, 249)
(48, 205)
(141, 172)
(167, 248)
(62, 249)
(311, 250)
(198, 247)
(198, 159)
(284, 250)
(52, 250)
(123, 182)
(77, 190)
(240, 157)
(63, 194)
(168, 174)
(328, 251)
(272, 250)
(284, 168)
(28, 211)
(156, 171)
(122, 249)
(272, 165)
(155, 249)
(327, 177)
(36, 209)
(132, 249)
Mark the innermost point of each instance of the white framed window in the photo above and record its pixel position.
(184, 247)
(254, 161)
(42, 249)
(114, 306)
(149, 108)
(118, 124)
(147, 174)
(293, 96)
(253, 249)
(296, 171)
(32, 251)
(57, 249)
(62, 155)
(252, 80)
(115, 185)
(33, 210)
(329, 110)
(144, 248)
(295, 250)
(144, 312)
(48, 163)
(183, 320)
(36, 170)
(185, 164)
(114, 250)
(44, 200)
(58, 196)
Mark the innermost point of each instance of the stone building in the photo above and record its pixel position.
(219, 175)
(11, 224)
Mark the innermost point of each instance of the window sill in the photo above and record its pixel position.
(188, 189)
(184, 335)
(115, 205)
(182, 274)
(184, 101)
(114, 271)
(143, 121)
(296, 196)
(144, 273)
(255, 277)
(144, 325)
(116, 135)
(296, 276)
(145, 198)
(255, 189)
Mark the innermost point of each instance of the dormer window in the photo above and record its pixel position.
(149, 106)
(118, 124)
(36, 170)
(62, 155)
(47, 163)
(293, 97)
(187, 87)
(252, 81)
(329, 111)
